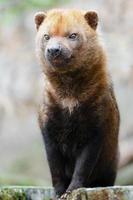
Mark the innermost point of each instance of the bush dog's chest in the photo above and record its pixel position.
(72, 131)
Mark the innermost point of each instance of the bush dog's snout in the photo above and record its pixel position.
(57, 53)
(54, 52)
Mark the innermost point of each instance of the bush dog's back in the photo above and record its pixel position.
(79, 118)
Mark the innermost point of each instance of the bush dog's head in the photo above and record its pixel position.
(66, 39)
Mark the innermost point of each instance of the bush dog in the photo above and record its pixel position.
(79, 117)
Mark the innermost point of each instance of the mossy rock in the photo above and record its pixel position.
(108, 193)
(36, 193)
(26, 193)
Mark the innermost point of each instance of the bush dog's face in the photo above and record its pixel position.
(64, 37)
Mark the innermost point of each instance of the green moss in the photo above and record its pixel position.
(25, 193)
(9, 194)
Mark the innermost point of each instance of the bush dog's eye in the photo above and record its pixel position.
(73, 36)
(46, 37)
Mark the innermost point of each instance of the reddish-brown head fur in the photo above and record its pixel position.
(79, 71)
(59, 25)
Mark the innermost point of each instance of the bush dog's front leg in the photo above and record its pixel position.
(56, 164)
(85, 164)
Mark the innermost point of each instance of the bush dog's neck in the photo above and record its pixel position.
(81, 83)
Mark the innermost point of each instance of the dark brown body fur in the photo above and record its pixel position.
(79, 120)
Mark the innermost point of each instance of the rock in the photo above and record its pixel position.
(109, 193)
(36, 193)
(26, 193)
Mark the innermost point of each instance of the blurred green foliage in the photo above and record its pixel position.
(8, 179)
(10, 9)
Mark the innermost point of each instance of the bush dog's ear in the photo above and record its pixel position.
(39, 17)
(92, 19)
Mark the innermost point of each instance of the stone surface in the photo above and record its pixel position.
(26, 193)
(110, 193)
(36, 193)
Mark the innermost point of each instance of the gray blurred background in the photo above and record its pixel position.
(22, 155)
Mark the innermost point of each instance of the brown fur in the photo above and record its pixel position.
(82, 82)
(93, 70)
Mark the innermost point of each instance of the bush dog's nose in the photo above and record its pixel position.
(54, 52)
